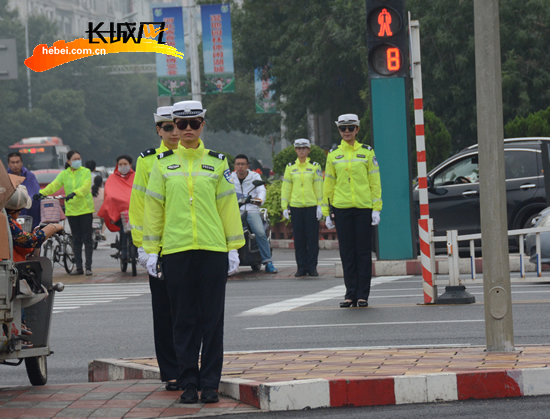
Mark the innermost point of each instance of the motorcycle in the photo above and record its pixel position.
(249, 254)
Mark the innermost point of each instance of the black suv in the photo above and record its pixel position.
(453, 187)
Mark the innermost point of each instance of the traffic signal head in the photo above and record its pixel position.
(387, 38)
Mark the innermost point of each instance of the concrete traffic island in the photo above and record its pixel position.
(295, 380)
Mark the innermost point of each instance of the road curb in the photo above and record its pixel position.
(360, 391)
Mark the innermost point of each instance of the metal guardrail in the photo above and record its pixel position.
(452, 238)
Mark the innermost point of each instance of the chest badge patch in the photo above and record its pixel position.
(339, 157)
(173, 166)
(207, 167)
(361, 156)
(227, 176)
(295, 170)
(309, 170)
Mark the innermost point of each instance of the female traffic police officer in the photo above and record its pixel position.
(352, 188)
(301, 197)
(162, 318)
(191, 212)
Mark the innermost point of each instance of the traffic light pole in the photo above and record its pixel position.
(499, 330)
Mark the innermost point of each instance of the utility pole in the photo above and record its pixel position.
(499, 329)
(194, 51)
(27, 51)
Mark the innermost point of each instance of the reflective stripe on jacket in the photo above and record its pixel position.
(352, 178)
(302, 185)
(191, 204)
(144, 165)
(78, 181)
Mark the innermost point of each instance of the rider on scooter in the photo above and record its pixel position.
(243, 178)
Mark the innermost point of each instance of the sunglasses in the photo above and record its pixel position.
(183, 123)
(168, 128)
(344, 128)
(301, 148)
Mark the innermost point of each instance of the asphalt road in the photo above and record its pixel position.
(95, 321)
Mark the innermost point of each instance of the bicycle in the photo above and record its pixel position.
(131, 250)
(59, 247)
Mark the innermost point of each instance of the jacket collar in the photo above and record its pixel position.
(305, 163)
(24, 171)
(191, 153)
(345, 146)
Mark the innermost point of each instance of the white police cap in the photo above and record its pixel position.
(164, 114)
(302, 142)
(347, 119)
(188, 109)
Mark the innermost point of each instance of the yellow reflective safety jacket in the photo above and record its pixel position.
(78, 181)
(302, 185)
(144, 166)
(190, 203)
(352, 178)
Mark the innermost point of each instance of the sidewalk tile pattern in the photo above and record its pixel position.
(108, 399)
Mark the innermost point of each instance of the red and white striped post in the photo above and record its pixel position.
(425, 224)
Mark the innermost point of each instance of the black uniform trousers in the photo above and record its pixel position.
(81, 230)
(354, 230)
(305, 228)
(162, 330)
(196, 282)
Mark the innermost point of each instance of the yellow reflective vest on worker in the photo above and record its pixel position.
(190, 203)
(352, 178)
(302, 185)
(78, 181)
(144, 166)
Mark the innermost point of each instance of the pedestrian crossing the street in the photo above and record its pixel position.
(77, 296)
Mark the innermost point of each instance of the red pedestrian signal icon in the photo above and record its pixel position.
(384, 20)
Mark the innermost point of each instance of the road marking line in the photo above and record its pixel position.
(307, 326)
(287, 305)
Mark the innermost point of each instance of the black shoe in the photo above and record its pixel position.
(313, 273)
(172, 386)
(190, 395)
(299, 273)
(209, 395)
(77, 272)
(362, 303)
(348, 303)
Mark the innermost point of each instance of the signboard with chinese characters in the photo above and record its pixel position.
(171, 71)
(263, 92)
(217, 47)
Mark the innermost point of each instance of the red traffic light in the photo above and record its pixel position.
(384, 22)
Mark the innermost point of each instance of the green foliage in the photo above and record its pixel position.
(533, 125)
(273, 202)
(288, 155)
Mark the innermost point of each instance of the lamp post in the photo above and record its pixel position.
(27, 50)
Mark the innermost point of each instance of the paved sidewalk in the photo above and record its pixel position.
(120, 399)
(294, 380)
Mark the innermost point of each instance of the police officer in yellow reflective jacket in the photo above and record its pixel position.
(191, 212)
(162, 317)
(301, 196)
(352, 189)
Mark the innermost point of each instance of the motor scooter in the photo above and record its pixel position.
(249, 254)
(25, 285)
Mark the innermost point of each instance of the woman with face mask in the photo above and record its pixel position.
(79, 206)
(118, 189)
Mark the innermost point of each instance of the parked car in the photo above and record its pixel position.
(453, 188)
(541, 220)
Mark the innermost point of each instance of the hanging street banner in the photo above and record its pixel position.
(217, 48)
(171, 72)
(263, 92)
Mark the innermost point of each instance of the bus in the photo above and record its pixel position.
(42, 152)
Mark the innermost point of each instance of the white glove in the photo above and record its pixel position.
(234, 262)
(329, 223)
(375, 218)
(319, 213)
(286, 214)
(143, 257)
(152, 264)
